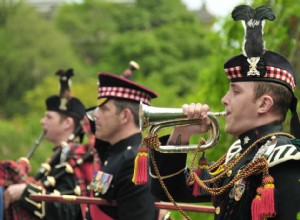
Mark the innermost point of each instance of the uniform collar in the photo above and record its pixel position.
(124, 143)
(251, 136)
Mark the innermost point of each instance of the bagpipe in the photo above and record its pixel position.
(81, 160)
(74, 157)
(14, 172)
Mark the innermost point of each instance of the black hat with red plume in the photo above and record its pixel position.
(257, 63)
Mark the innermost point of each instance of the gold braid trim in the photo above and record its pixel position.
(151, 142)
(167, 176)
(164, 187)
(258, 165)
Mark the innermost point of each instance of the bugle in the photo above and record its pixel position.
(155, 118)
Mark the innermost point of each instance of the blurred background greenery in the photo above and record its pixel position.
(181, 54)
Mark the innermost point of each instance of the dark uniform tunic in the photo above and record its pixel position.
(132, 201)
(284, 167)
(65, 183)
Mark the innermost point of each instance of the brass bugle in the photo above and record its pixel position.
(155, 118)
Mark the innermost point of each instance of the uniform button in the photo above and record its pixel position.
(129, 148)
(105, 163)
(229, 172)
(217, 211)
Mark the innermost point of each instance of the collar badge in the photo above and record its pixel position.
(246, 140)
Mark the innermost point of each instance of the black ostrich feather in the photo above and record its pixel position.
(65, 82)
(253, 22)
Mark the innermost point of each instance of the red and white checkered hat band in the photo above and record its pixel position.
(272, 73)
(125, 93)
(233, 72)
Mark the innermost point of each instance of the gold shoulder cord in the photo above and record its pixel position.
(258, 165)
(164, 186)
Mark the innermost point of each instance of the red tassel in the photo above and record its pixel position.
(203, 173)
(196, 187)
(256, 205)
(140, 174)
(268, 197)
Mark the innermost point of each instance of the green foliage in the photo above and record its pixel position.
(29, 48)
(192, 215)
(17, 139)
(88, 32)
(164, 12)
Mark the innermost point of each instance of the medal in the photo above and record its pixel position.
(100, 182)
(238, 190)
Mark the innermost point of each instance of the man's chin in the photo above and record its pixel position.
(228, 129)
(99, 136)
(232, 132)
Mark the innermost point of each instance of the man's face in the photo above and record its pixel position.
(52, 125)
(240, 107)
(107, 122)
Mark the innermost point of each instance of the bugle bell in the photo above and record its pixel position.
(155, 118)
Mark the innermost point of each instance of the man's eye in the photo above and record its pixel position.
(103, 108)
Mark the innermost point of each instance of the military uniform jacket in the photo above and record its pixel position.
(132, 201)
(284, 167)
(60, 180)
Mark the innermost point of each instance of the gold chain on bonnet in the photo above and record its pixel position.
(258, 165)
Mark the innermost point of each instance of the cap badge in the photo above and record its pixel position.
(252, 23)
(63, 104)
(246, 140)
(253, 65)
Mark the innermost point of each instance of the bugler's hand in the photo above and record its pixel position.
(193, 111)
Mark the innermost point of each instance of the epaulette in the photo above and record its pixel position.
(233, 150)
(283, 153)
(280, 153)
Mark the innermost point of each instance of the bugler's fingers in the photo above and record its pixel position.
(185, 108)
(198, 110)
(191, 110)
(205, 109)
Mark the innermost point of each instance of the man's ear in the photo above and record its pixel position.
(265, 104)
(125, 115)
(68, 122)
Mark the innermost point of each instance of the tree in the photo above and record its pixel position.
(31, 48)
(89, 25)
